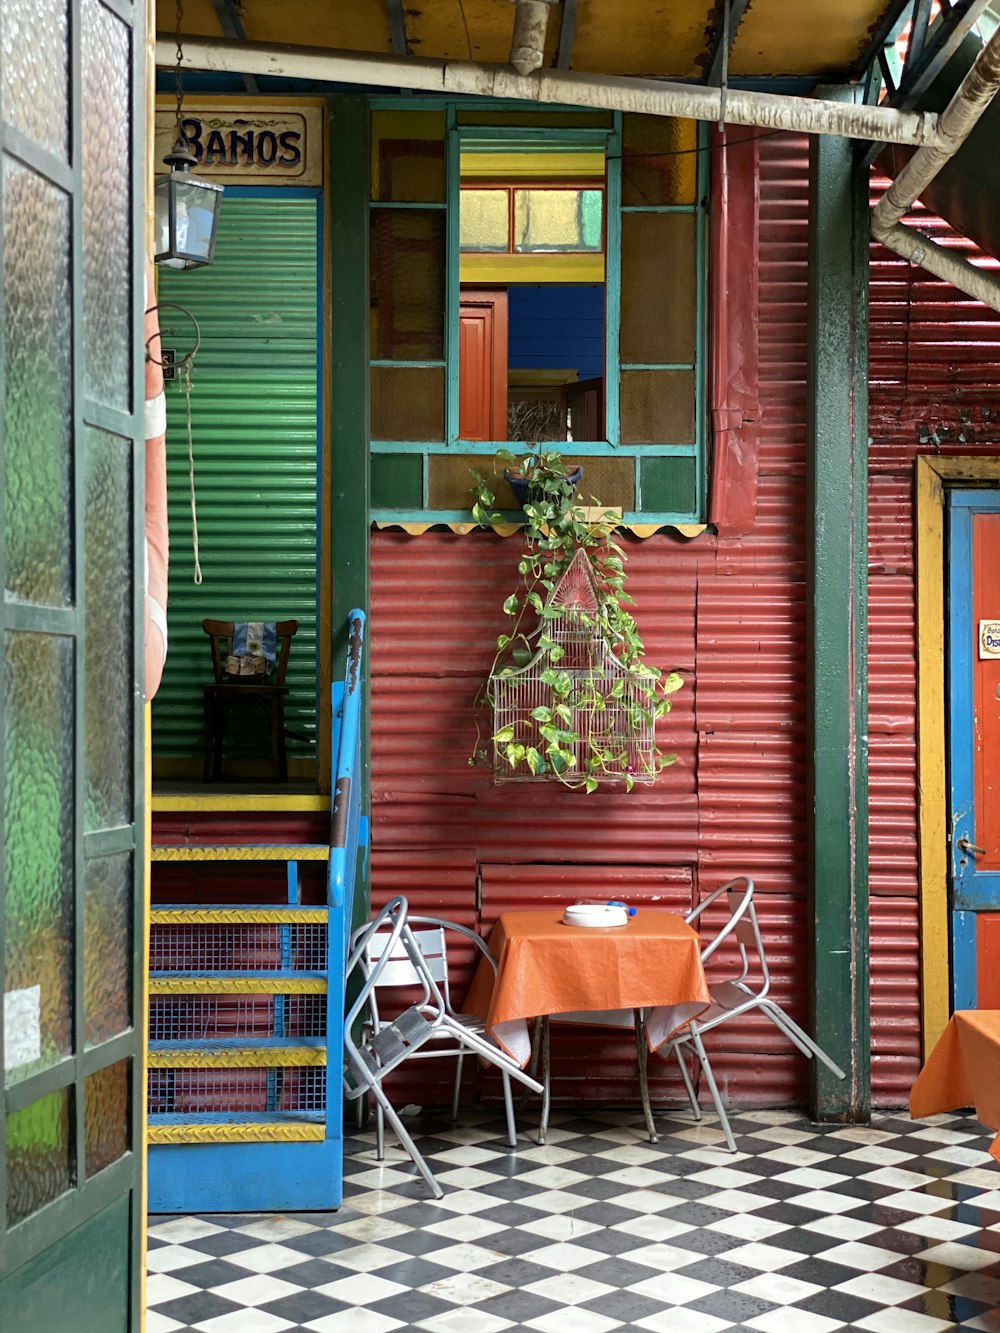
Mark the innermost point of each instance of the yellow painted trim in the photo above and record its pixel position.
(262, 853)
(175, 985)
(508, 529)
(242, 1057)
(147, 894)
(258, 803)
(478, 269)
(238, 916)
(520, 166)
(303, 1132)
(932, 784)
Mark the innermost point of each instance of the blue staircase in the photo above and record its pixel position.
(246, 1011)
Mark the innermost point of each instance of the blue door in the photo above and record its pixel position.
(974, 746)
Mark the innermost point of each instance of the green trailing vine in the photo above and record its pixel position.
(570, 738)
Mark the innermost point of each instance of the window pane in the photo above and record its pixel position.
(557, 220)
(659, 277)
(397, 481)
(407, 285)
(107, 204)
(107, 1116)
(37, 398)
(657, 407)
(107, 947)
(34, 71)
(669, 485)
(39, 846)
(39, 1155)
(408, 156)
(659, 160)
(407, 404)
(108, 609)
(484, 220)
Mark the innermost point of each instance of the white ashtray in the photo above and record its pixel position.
(594, 914)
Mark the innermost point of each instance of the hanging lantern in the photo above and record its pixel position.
(186, 209)
(186, 213)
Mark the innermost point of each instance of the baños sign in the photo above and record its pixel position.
(265, 144)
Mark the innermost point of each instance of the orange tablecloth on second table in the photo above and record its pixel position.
(963, 1070)
(653, 963)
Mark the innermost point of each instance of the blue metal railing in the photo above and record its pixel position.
(348, 838)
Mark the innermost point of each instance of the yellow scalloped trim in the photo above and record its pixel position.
(508, 529)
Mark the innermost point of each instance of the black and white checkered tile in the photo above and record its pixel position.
(893, 1228)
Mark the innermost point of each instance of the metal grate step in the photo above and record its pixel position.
(244, 1127)
(239, 1053)
(237, 983)
(305, 851)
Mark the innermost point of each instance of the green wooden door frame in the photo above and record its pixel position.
(350, 511)
(837, 646)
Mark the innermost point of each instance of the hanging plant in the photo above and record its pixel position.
(569, 696)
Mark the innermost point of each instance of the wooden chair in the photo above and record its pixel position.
(268, 692)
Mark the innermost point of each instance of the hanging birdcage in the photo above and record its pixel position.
(598, 712)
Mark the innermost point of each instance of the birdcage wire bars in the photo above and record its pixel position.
(609, 702)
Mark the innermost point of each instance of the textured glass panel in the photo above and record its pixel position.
(407, 284)
(107, 290)
(659, 160)
(34, 71)
(657, 407)
(107, 947)
(37, 401)
(39, 1155)
(659, 281)
(557, 220)
(407, 404)
(669, 485)
(605, 481)
(484, 221)
(106, 1116)
(38, 841)
(108, 606)
(397, 481)
(408, 156)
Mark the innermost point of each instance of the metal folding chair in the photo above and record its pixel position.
(735, 995)
(387, 952)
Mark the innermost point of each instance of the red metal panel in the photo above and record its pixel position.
(988, 960)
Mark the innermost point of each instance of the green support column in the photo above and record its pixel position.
(348, 389)
(837, 509)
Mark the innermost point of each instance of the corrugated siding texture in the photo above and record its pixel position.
(934, 371)
(254, 419)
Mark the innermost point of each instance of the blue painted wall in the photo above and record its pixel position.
(553, 326)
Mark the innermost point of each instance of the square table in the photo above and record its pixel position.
(963, 1069)
(548, 968)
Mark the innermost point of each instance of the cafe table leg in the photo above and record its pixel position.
(546, 1080)
(642, 1053)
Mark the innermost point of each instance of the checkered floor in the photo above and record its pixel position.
(893, 1228)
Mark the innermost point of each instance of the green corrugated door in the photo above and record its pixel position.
(254, 425)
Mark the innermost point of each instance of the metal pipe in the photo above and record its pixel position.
(770, 111)
(955, 124)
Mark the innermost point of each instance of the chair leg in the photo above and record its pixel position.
(688, 1086)
(456, 1091)
(379, 1132)
(508, 1101)
(384, 1105)
(642, 1054)
(801, 1039)
(546, 1082)
(279, 755)
(713, 1089)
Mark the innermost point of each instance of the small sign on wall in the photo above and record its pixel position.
(989, 638)
(261, 143)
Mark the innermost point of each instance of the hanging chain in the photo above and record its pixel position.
(180, 60)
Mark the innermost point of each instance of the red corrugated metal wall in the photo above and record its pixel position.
(731, 614)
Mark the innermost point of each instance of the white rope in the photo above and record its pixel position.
(186, 372)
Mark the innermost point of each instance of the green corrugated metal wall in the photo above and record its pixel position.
(254, 421)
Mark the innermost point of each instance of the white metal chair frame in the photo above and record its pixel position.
(384, 1045)
(735, 996)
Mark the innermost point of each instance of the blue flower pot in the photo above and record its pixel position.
(525, 493)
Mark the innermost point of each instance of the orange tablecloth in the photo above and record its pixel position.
(653, 962)
(963, 1070)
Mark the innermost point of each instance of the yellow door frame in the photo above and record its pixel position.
(933, 476)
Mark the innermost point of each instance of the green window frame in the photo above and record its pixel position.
(664, 491)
